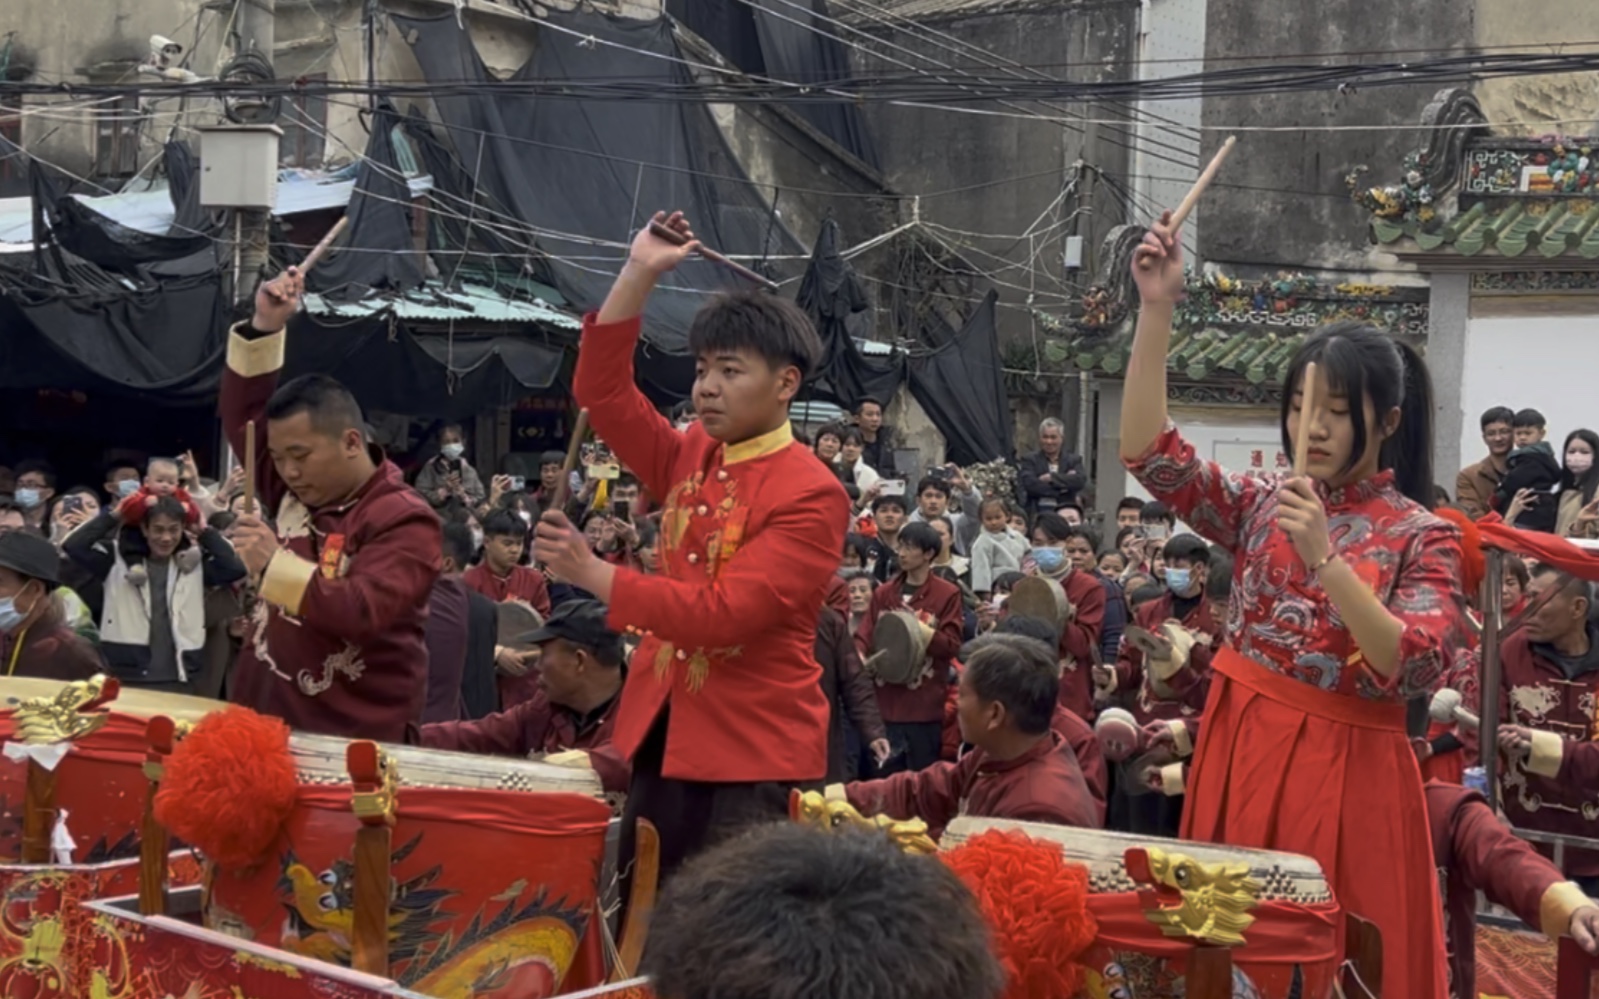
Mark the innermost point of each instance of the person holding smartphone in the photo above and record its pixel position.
(449, 479)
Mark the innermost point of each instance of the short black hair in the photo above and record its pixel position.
(1566, 581)
(869, 399)
(458, 544)
(1035, 628)
(935, 483)
(860, 544)
(1130, 503)
(853, 433)
(1021, 673)
(1054, 526)
(39, 467)
(627, 479)
(648, 532)
(459, 430)
(1440, 496)
(854, 574)
(1219, 583)
(1071, 505)
(330, 406)
(774, 329)
(1085, 532)
(168, 507)
(1528, 418)
(1518, 568)
(1157, 512)
(921, 535)
(682, 409)
(1187, 548)
(1498, 414)
(504, 524)
(1006, 581)
(788, 911)
(1148, 593)
(552, 458)
(882, 501)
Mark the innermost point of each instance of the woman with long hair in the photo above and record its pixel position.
(1578, 515)
(1346, 602)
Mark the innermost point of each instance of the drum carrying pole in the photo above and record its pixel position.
(1488, 682)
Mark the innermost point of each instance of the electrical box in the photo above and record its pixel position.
(239, 166)
(1072, 259)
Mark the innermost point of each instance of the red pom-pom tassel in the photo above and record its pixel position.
(229, 787)
(1036, 904)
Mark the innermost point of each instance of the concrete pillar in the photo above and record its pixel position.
(1448, 325)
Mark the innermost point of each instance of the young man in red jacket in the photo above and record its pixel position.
(914, 715)
(572, 709)
(502, 578)
(722, 711)
(1020, 769)
(346, 565)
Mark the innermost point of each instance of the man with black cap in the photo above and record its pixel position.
(580, 674)
(35, 639)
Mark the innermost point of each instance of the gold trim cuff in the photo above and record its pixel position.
(1172, 782)
(1181, 739)
(1547, 750)
(286, 579)
(1555, 908)
(835, 792)
(254, 358)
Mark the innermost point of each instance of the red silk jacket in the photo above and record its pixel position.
(528, 586)
(1042, 785)
(335, 645)
(939, 603)
(750, 536)
(1079, 643)
(1184, 694)
(536, 726)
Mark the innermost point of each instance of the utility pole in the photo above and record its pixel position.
(257, 32)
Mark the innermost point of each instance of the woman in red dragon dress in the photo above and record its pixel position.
(1345, 603)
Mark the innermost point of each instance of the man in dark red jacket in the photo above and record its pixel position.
(849, 690)
(574, 708)
(914, 715)
(1020, 769)
(345, 571)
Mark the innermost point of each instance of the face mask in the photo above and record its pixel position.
(1576, 463)
(1179, 580)
(127, 487)
(10, 617)
(29, 499)
(477, 540)
(1049, 560)
(453, 451)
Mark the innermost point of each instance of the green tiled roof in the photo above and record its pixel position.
(1550, 228)
(1257, 357)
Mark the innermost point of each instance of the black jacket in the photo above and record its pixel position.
(1062, 487)
(1532, 468)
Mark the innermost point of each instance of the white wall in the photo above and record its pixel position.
(1548, 363)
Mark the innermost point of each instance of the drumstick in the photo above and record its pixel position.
(563, 489)
(320, 250)
(1194, 193)
(249, 468)
(1307, 413)
(677, 238)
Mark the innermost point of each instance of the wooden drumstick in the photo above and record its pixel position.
(1197, 191)
(320, 250)
(1307, 414)
(563, 489)
(249, 468)
(677, 238)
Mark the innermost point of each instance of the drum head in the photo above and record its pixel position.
(1151, 644)
(516, 620)
(899, 642)
(1038, 597)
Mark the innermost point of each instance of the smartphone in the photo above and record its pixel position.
(1157, 532)
(622, 511)
(892, 487)
(518, 482)
(72, 504)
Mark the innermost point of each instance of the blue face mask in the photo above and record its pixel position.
(1049, 560)
(127, 487)
(29, 499)
(1179, 580)
(10, 617)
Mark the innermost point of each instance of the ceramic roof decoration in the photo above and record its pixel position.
(1469, 193)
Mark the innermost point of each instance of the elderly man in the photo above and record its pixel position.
(1051, 477)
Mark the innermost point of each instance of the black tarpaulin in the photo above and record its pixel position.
(831, 293)
(785, 40)
(183, 184)
(585, 173)
(100, 239)
(390, 368)
(377, 253)
(961, 385)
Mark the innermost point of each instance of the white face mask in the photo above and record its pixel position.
(1578, 462)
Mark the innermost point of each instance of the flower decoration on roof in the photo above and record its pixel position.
(1411, 199)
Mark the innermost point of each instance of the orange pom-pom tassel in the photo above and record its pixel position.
(229, 787)
(1036, 905)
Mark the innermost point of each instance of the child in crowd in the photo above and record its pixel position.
(998, 549)
(1528, 495)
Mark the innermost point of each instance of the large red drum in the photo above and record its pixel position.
(1293, 947)
(100, 783)
(496, 867)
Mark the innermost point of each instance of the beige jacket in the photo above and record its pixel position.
(1475, 485)
(1566, 525)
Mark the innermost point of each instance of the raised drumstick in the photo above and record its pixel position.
(673, 236)
(563, 488)
(249, 468)
(320, 250)
(1194, 193)
(1307, 413)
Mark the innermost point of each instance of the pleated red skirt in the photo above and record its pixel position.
(1449, 768)
(1283, 765)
